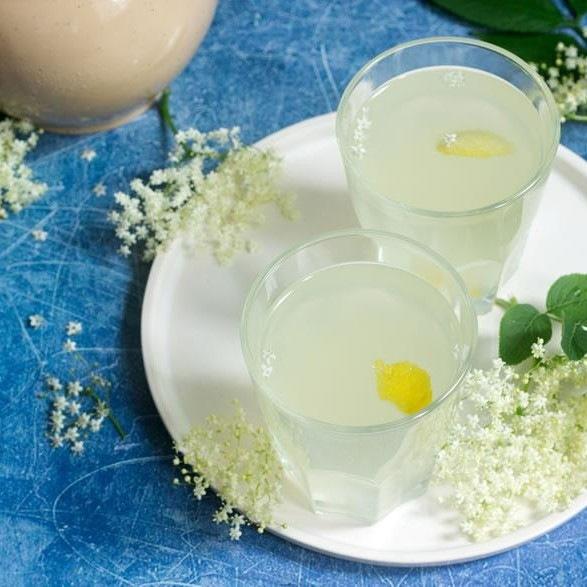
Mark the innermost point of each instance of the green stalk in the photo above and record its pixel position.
(165, 112)
(97, 399)
(505, 304)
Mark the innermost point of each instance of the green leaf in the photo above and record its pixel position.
(519, 329)
(567, 297)
(579, 7)
(536, 48)
(527, 16)
(574, 341)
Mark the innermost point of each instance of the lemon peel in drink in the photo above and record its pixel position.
(405, 384)
(478, 144)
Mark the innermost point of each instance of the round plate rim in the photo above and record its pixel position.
(288, 137)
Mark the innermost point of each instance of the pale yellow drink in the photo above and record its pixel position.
(448, 139)
(328, 336)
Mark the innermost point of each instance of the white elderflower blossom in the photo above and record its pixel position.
(96, 424)
(74, 408)
(211, 194)
(60, 403)
(238, 460)
(17, 187)
(520, 439)
(36, 321)
(57, 420)
(69, 345)
(538, 350)
(71, 434)
(56, 440)
(102, 410)
(80, 410)
(83, 421)
(88, 155)
(567, 81)
(54, 384)
(74, 388)
(99, 190)
(39, 235)
(72, 328)
(77, 448)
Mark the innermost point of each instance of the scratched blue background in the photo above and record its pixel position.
(113, 517)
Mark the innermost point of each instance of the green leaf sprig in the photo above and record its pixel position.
(528, 28)
(523, 324)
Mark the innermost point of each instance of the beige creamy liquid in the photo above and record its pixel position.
(72, 63)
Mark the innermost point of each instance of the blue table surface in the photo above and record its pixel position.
(112, 517)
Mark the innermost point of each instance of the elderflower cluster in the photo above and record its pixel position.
(521, 441)
(74, 414)
(76, 409)
(210, 194)
(567, 79)
(17, 188)
(239, 462)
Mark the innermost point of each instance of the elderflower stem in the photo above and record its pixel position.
(505, 304)
(113, 419)
(576, 117)
(165, 111)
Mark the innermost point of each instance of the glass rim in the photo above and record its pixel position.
(469, 316)
(542, 169)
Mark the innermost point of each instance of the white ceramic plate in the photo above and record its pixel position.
(192, 355)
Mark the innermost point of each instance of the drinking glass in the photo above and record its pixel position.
(360, 471)
(483, 244)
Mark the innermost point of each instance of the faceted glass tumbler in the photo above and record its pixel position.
(484, 244)
(360, 471)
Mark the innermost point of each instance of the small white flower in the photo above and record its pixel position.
(60, 402)
(83, 421)
(102, 410)
(96, 424)
(69, 345)
(73, 327)
(57, 419)
(538, 349)
(74, 388)
(39, 235)
(235, 533)
(266, 370)
(77, 448)
(571, 51)
(54, 384)
(74, 408)
(99, 190)
(268, 356)
(56, 440)
(71, 434)
(88, 154)
(36, 321)
(450, 138)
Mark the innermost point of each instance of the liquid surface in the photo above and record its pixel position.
(447, 139)
(325, 334)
